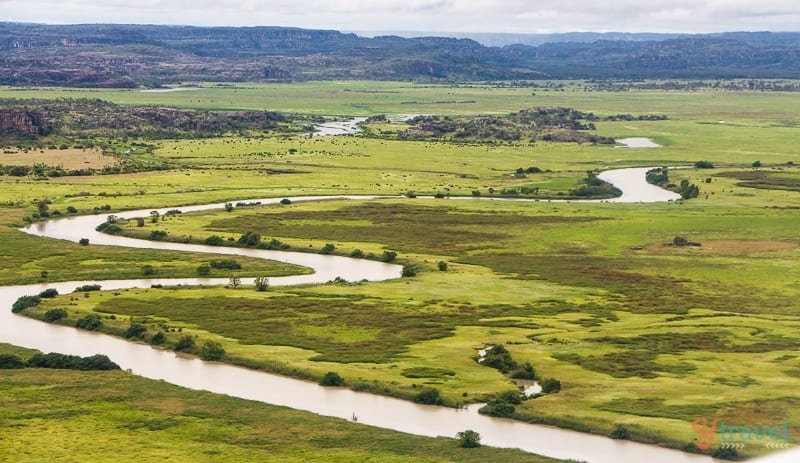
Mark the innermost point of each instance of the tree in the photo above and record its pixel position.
(551, 385)
(442, 266)
(469, 439)
(327, 249)
(158, 339)
(148, 270)
(212, 351)
(409, 271)
(262, 283)
(136, 330)
(235, 281)
(619, 432)
(154, 215)
(228, 207)
(11, 362)
(90, 322)
(357, 253)
(389, 256)
(54, 315)
(331, 378)
(42, 206)
(184, 344)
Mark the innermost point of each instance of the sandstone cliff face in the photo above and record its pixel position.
(19, 120)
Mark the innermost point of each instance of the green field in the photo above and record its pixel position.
(639, 332)
(62, 415)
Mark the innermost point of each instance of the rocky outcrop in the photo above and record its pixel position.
(22, 121)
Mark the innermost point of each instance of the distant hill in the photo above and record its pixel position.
(105, 55)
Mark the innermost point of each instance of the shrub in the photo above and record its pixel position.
(429, 396)
(468, 439)
(215, 240)
(54, 315)
(136, 330)
(72, 362)
(203, 270)
(24, 302)
(225, 264)
(389, 256)
(262, 283)
(158, 235)
(72, 210)
(442, 265)
(551, 385)
(212, 351)
(158, 339)
(409, 271)
(10, 362)
(498, 408)
(331, 378)
(90, 322)
(526, 372)
(357, 253)
(83, 241)
(249, 239)
(87, 288)
(327, 249)
(184, 344)
(49, 293)
(704, 165)
(499, 358)
(286, 201)
(512, 397)
(619, 432)
(756, 164)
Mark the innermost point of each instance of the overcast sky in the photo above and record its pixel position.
(513, 16)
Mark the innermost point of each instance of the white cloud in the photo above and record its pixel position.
(426, 15)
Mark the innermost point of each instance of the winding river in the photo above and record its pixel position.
(371, 409)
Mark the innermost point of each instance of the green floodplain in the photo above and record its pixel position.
(648, 315)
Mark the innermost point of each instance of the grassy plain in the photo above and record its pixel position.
(639, 332)
(63, 415)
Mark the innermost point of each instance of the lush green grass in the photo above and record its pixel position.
(61, 415)
(638, 331)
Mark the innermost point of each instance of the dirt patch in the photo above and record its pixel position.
(68, 159)
(724, 247)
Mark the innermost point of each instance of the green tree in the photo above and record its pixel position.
(327, 249)
(154, 215)
(442, 266)
(262, 283)
(212, 351)
(331, 378)
(468, 439)
(184, 344)
(235, 281)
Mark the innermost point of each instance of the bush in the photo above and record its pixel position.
(158, 339)
(10, 362)
(499, 358)
(83, 241)
(704, 165)
(498, 408)
(87, 288)
(203, 270)
(49, 293)
(184, 344)
(72, 362)
(430, 396)
(54, 315)
(262, 283)
(468, 439)
(158, 235)
(24, 302)
(409, 271)
(357, 253)
(286, 201)
(512, 397)
(551, 385)
(215, 240)
(331, 378)
(140, 222)
(90, 322)
(756, 164)
(72, 210)
(249, 239)
(327, 249)
(148, 270)
(212, 351)
(135, 331)
(526, 372)
(389, 256)
(619, 432)
(442, 265)
(225, 264)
